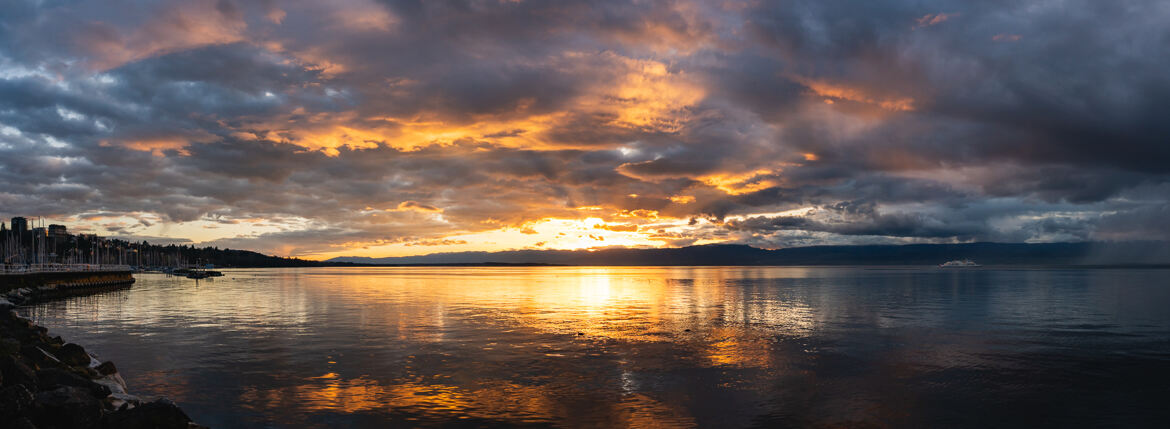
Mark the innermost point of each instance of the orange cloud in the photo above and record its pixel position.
(742, 183)
(418, 207)
(934, 19)
(617, 227)
(644, 95)
(364, 15)
(184, 25)
(1006, 37)
(155, 147)
(640, 213)
(436, 242)
(837, 91)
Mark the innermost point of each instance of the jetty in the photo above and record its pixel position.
(23, 283)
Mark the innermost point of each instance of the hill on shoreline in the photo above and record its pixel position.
(1080, 253)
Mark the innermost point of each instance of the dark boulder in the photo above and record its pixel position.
(52, 378)
(38, 356)
(25, 335)
(73, 354)
(106, 368)
(14, 401)
(16, 371)
(160, 414)
(22, 423)
(9, 346)
(67, 407)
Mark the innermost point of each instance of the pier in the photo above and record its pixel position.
(46, 281)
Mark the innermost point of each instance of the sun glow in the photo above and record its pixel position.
(547, 233)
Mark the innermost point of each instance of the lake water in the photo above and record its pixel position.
(641, 347)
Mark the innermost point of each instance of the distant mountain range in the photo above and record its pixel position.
(1083, 253)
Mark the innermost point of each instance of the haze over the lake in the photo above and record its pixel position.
(390, 128)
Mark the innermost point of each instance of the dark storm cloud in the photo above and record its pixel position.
(852, 218)
(896, 121)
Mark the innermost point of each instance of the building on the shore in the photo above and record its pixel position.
(20, 231)
(14, 250)
(19, 226)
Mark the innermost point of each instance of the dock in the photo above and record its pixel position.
(36, 282)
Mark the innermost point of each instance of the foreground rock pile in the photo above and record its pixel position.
(48, 383)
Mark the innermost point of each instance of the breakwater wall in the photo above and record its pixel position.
(24, 288)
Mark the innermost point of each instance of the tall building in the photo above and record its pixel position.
(57, 231)
(19, 225)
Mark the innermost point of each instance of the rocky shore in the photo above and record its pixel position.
(47, 383)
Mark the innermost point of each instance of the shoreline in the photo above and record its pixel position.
(46, 382)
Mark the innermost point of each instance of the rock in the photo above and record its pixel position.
(106, 368)
(73, 354)
(9, 346)
(6, 305)
(121, 400)
(67, 407)
(118, 395)
(21, 327)
(14, 401)
(161, 414)
(39, 356)
(16, 371)
(53, 378)
(22, 332)
(22, 423)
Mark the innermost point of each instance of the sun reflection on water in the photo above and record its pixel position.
(619, 346)
(549, 321)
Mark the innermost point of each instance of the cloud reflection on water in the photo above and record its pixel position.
(629, 346)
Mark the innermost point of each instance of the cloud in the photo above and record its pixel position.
(415, 205)
(934, 19)
(363, 124)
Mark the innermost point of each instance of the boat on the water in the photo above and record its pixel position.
(959, 263)
(196, 274)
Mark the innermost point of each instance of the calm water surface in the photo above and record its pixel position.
(641, 347)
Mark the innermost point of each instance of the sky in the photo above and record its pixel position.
(390, 128)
